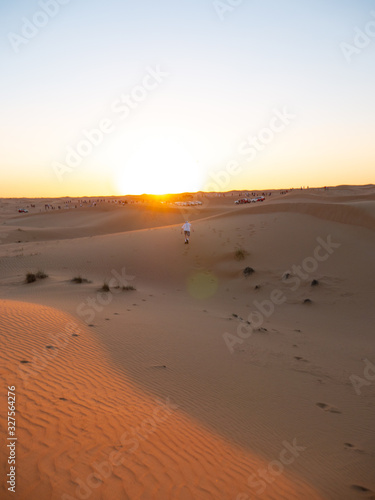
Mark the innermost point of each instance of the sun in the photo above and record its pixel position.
(159, 164)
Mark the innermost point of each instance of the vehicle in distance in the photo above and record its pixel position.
(242, 201)
(248, 200)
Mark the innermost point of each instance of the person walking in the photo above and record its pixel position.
(186, 228)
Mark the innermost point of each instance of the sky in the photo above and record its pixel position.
(119, 97)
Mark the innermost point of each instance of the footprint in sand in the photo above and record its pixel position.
(300, 358)
(350, 446)
(261, 330)
(329, 408)
(362, 489)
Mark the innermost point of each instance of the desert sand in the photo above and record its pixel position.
(190, 379)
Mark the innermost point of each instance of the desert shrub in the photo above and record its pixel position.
(247, 271)
(41, 275)
(30, 278)
(239, 254)
(79, 280)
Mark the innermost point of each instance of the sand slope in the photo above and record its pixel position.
(234, 406)
(84, 431)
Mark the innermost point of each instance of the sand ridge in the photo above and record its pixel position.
(232, 409)
(84, 431)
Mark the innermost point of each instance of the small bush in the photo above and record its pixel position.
(128, 288)
(79, 280)
(30, 278)
(104, 288)
(247, 271)
(239, 254)
(41, 275)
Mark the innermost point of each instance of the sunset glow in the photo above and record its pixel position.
(147, 99)
(166, 166)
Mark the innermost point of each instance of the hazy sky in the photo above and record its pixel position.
(189, 95)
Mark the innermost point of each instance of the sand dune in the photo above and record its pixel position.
(359, 214)
(84, 431)
(235, 401)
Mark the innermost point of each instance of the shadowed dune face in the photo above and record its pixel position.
(85, 432)
(41, 225)
(357, 214)
(354, 206)
(231, 411)
(90, 222)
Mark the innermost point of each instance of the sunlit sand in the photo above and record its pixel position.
(190, 378)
